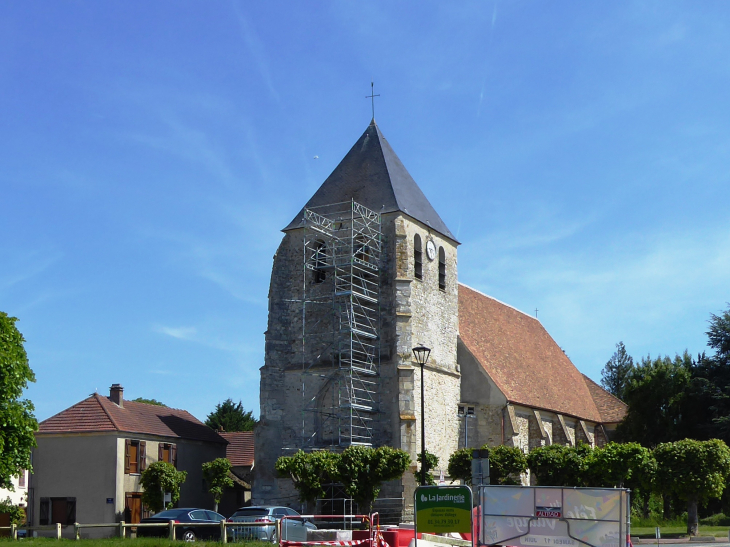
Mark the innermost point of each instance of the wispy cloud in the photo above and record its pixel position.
(181, 333)
(256, 49)
(26, 265)
(208, 339)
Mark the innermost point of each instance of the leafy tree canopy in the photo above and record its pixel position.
(362, 471)
(558, 465)
(16, 415)
(148, 401)
(15, 512)
(217, 475)
(657, 397)
(506, 464)
(230, 416)
(618, 465)
(161, 477)
(694, 471)
(615, 374)
(309, 471)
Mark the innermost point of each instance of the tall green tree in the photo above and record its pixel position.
(622, 465)
(423, 472)
(230, 416)
(693, 470)
(158, 478)
(657, 395)
(19, 425)
(217, 474)
(615, 374)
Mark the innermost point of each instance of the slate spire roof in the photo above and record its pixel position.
(372, 175)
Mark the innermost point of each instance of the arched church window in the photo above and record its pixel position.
(320, 261)
(442, 269)
(417, 257)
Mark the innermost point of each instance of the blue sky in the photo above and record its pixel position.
(152, 151)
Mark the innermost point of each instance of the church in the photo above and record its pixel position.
(365, 272)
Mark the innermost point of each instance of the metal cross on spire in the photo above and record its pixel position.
(372, 96)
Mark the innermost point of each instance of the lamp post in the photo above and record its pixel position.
(421, 353)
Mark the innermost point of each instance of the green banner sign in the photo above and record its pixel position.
(443, 509)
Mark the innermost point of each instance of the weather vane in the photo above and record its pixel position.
(372, 96)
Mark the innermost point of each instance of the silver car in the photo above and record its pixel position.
(292, 529)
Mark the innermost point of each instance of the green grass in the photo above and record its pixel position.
(117, 542)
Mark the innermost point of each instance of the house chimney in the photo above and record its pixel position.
(116, 394)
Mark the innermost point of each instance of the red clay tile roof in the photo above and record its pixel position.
(240, 448)
(612, 409)
(521, 357)
(99, 414)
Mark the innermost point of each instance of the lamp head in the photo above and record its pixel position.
(421, 353)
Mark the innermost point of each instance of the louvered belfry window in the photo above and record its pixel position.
(442, 269)
(417, 257)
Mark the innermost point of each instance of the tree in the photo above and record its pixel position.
(621, 465)
(460, 465)
(14, 512)
(423, 473)
(614, 375)
(230, 416)
(558, 465)
(217, 474)
(657, 397)
(506, 464)
(693, 470)
(719, 333)
(148, 401)
(363, 470)
(158, 478)
(17, 437)
(309, 472)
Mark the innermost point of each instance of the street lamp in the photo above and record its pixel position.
(421, 353)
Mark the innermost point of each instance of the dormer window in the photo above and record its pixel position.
(417, 257)
(442, 269)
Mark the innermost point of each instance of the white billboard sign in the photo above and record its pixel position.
(547, 517)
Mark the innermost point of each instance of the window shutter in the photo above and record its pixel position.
(173, 455)
(160, 451)
(127, 444)
(142, 456)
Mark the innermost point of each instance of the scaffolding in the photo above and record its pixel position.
(340, 325)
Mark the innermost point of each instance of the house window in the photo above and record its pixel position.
(442, 269)
(135, 456)
(417, 257)
(57, 511)
(167, 453)
(21, 479)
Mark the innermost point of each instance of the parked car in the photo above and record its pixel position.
(292, 529)
(187, 519)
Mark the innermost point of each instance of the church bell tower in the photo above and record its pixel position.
(365, 271)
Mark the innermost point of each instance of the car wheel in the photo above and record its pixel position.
(188, 535)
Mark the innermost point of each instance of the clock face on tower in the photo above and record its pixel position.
(430, 249)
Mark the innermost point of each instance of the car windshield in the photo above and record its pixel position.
(251, 512)
(173, 513)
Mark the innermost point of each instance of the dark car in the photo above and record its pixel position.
(186, 530)
(292, 529)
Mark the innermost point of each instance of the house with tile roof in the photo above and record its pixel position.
(366, 271)
(87, 465)
(240, 453)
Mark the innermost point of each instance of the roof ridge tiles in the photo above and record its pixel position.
(108, 415)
